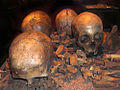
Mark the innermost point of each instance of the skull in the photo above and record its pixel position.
(29, 55)
(64, 19)
(37, 20)
(88, 30)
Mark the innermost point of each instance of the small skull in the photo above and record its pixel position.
(87, 28)
(63, 21)
(37, 20)
(29, 55)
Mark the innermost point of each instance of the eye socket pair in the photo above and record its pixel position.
(85, 38)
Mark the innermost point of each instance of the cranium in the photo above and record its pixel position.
(64, 19)
(37, 20)
(29, 55)
(87, 28)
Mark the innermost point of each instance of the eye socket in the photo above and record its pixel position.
(84, 39)
(98, 36)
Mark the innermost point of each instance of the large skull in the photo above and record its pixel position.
(64, 19)
(37, 20)
(88, 31)
(29, 55)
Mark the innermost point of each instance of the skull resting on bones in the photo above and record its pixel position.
(87, 28)
(37, 20)
(64, 19)
(29, 55)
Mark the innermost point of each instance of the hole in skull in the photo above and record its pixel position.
(84, 39)
(92, 45)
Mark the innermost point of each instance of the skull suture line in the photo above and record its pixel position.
(87, 28)
(29, 55)
(37, 20)
(63, 21)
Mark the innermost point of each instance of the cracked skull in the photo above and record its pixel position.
(29, 55)
(37, 20)
(64, 19)
(87, 28)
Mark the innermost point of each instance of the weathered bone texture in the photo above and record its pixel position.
(64, 19)
(87, 28)
(29, 55)
(37, 20)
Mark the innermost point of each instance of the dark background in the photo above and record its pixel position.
(12, 13)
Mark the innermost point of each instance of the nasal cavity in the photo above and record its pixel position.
(92, 45)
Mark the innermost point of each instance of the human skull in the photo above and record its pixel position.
(64, 19)
(37, 20)
(29, 55)
(87, 28)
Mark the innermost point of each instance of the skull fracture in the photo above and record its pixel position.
(37, 20)
(29, 54)
(87, 28)
(63, 21)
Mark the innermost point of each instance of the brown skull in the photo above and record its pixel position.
(29, 55)
(64, 19)
(88, 31)
(37, 20)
